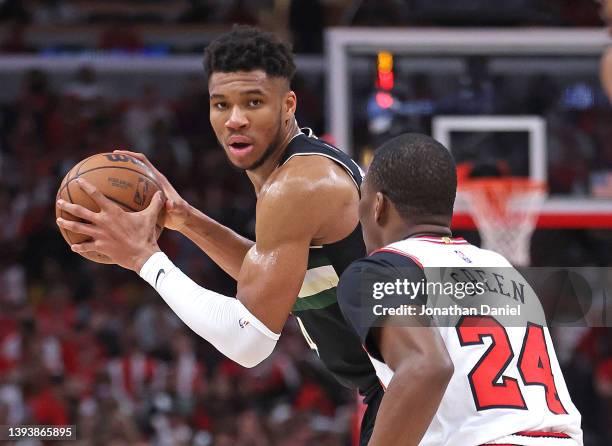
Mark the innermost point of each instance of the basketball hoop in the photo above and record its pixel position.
(505, 210)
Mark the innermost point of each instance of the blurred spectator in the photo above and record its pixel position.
(121, 37)
(85, 86)
(14, 10)
(199, 11)
(141, 118)
(15, 41)
(242, 12)
(306, 21)
(54, 12)
(374, 13)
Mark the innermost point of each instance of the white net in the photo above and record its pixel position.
(505, 211)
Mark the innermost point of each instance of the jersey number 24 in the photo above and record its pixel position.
(533, 365)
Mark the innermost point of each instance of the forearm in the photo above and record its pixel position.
(223, 321)
(225, 247)
(409, 404)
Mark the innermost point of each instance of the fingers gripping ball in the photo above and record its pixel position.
(121, 178)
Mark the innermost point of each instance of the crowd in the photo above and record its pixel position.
(302, 21)
(93, 345)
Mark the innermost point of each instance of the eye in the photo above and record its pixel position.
(255, 102)
(220, 105)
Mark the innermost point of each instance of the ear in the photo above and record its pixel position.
(380, 208)
(289, 106)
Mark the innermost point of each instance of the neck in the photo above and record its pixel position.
(260, 175)
(404, 232)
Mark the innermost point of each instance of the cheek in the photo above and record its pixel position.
(216, 122)
(266, 123)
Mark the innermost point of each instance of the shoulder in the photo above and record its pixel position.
(309, 180)
(318, 171)
(309, 195)
(322, 159)
(301, 198)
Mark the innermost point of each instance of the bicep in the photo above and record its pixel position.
(273, 270)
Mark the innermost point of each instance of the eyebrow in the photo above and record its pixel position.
(243, 93)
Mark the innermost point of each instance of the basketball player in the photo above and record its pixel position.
(454, 380)
(307, 227)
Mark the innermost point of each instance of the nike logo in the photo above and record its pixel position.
(159, 273)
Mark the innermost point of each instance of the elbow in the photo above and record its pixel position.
(249, 363)
(250, 356)
(445, 369)
(441, 368)
(433, 369)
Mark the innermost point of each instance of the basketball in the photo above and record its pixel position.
(121, 178)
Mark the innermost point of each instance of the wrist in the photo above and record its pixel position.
(182, 214)
(141, 258)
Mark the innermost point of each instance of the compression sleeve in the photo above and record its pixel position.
(223, 321)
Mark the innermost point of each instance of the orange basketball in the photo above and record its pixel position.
(121, 178)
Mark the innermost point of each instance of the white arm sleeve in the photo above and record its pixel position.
(223, 321)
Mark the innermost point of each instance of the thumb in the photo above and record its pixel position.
(156, 204)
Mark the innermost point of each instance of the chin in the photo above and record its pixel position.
(243, 164)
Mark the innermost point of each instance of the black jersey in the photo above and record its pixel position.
(316, 308)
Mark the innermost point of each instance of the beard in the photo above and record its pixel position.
(265, 155)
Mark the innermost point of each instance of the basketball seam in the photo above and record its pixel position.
(125, 168)
(110, 198)
(82, 163)
(78, 166)
(122, 204)
(114, 200)
(106, 167)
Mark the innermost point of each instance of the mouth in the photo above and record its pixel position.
(240, 145)
(240, 149)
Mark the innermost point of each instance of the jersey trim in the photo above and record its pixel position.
(348, 170)
(318, 279)
(401, 253)
(541, 434)
(534, 438)
(441, 240)
(383, 371)
(316, 301)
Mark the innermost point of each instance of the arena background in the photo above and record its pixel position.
(92, 345)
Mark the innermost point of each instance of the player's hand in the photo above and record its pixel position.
(177, 209)
(127, 238)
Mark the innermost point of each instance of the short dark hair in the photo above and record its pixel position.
(246, 48)
(417, 174)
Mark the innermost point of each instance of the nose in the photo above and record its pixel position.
(237, 119)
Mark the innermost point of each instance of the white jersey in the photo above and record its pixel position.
(507, 387)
